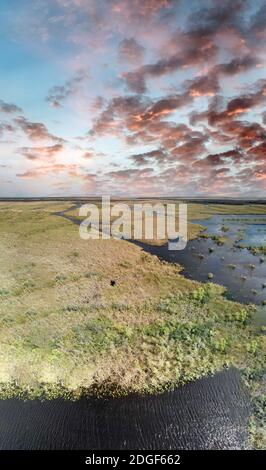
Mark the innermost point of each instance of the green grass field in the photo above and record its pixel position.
(66, 331)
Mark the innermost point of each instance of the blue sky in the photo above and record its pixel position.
(132, 98)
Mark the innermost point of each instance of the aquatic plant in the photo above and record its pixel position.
(219, 240)
(224, 228)
(255, 250)
(231, 266)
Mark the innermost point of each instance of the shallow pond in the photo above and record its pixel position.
(241, 272)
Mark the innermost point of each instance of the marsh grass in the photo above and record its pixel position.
(218, 239)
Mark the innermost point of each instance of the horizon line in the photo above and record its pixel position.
(188, 198)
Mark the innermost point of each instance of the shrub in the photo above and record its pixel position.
(60, 278)
(202, 295)
(3, 292)
(240, 316)
(220, 344)
(252, 346)
(28, 284)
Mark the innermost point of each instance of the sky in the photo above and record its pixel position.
(132, 98)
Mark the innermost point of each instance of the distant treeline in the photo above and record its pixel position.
(209, 200)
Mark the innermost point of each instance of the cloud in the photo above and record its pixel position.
(130, 173)
(49, 170)
(60, 93)
(88, 155)
(9, 108)
(258, 152)
(194, 49)
(191, 148)
(144, 8)
(209, 85)
(176, 80)
(139, 120)
(198, 45)
(203, 86)
(142, 159)
(191, 49)
(36, 131)
(165, 106)
(132, 181)
(218, 159)
(237, 65)
(6, 127)
(36, 153)
(210, 17)
(137, 114)
(92, 153)
(234, 107)
(97, 104)
(136, 81)
(258, 24)
(120, 113)
(131, 51)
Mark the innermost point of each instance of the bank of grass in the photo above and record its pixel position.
(66, 331)
(218, 239)
(255, 250)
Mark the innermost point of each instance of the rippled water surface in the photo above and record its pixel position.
(211, 413)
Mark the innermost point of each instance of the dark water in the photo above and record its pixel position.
(211, 413)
